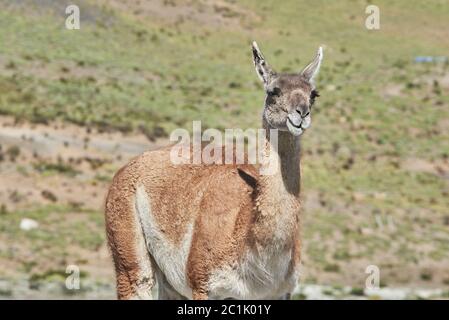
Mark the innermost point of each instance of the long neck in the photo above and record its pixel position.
(279, 187)
(283, 166)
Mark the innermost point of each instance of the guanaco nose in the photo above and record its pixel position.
(299, 100)
(303, 111)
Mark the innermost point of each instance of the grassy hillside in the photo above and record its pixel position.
(375, 163)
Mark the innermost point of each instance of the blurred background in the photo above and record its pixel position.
(75, 105)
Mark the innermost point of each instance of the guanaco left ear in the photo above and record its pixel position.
(263, 70)
(313, 67)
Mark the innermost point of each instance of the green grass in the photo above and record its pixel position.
(126, 73)
(60, 228)
(46, 168)
(188, 73)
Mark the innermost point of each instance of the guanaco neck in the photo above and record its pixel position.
(278, 196)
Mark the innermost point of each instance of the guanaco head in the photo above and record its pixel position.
(289, 97)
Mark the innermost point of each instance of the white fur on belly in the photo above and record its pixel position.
(171, 260)
(257, 276)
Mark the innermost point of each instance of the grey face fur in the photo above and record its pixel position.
(289, 96)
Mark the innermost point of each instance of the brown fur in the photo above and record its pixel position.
(119, 226)
(231, 207)
(228, 213)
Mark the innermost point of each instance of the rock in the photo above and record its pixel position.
(28, 224)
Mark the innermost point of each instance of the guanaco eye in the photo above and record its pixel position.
(275, 92)
(313, 95)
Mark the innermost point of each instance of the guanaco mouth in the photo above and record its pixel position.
(291, 122)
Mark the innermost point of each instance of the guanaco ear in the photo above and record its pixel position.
(263, 70)
(313, 67)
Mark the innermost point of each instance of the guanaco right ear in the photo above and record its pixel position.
(262, 68)
(310, 72)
